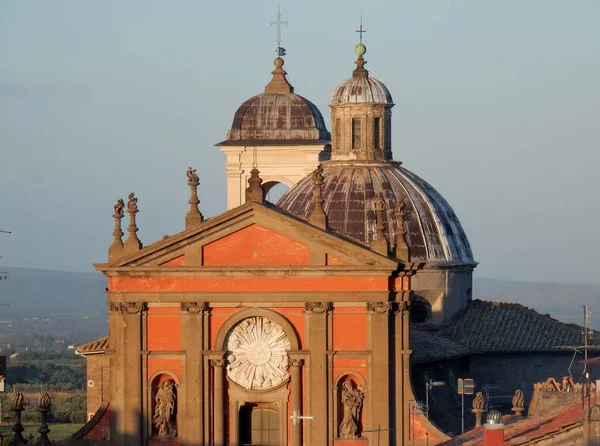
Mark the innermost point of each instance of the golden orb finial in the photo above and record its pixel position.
(360, 49)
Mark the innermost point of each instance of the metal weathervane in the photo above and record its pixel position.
(280, 50)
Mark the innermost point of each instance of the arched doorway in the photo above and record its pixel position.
(259, 424)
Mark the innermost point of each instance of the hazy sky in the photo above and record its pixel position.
(496, 106)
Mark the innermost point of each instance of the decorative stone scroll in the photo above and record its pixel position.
(257, 353)
(128, 307)
(317, 307)
(379, 307)
(194, 307)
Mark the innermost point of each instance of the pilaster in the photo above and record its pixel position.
(127, 385)
(192, 333)
(318, 376)
(379, 385)
(218, 365)
(296, 377)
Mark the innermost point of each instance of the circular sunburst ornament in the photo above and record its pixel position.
(257, 353)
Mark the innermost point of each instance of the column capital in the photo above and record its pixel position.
(217, 363)
(194, 307)
(379, 307)
(317, 307)
(296, 362)
(402, 307)
(128, 307)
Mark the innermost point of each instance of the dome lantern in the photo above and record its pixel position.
(361, 115)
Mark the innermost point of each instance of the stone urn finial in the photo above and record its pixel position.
(478, 408)
(44, 404)
(18, 406)
(518, 402)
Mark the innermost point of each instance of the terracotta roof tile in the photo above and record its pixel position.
(507, 327)
(432, 347)
(97, 346)
(526, 431)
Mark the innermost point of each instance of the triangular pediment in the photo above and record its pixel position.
(254, 235)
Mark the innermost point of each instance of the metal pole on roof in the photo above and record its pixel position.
(585, 336)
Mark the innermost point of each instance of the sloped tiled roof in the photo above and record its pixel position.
(428, 347)
(97, 346)
(506, 327)
(559, 426)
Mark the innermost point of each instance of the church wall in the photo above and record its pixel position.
(97, 382)
(177, 261)
(349, 327)
(164, 328)
(255, 245)
(446, 290)
(219, 315)
(281, 164)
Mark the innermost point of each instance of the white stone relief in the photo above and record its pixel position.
(257, 353)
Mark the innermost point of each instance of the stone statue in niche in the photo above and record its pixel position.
(352, 400)
(164, 410)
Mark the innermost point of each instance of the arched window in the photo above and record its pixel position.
(377, 132)
(356, 133)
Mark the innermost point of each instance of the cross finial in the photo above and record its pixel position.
(361, 30)
(280, 50)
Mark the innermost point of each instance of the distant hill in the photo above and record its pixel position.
(80, 299)
(563, 301)
(36, 292)
(58, 303)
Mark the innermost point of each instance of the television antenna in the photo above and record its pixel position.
(3, 274)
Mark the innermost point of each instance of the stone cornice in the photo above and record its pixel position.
(268, 216)
(245, 271)
(251, 299)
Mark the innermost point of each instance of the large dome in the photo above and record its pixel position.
(433, 231)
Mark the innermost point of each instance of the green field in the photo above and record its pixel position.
(57, 431)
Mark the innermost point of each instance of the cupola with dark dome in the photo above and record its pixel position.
(277, 116)
(279, 131)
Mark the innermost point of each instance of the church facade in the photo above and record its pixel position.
(289, 323)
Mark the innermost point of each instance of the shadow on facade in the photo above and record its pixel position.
(97, 431)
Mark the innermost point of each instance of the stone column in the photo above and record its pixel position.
(295, 366)
(318, 378)
(219, 403)
(379, 386)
